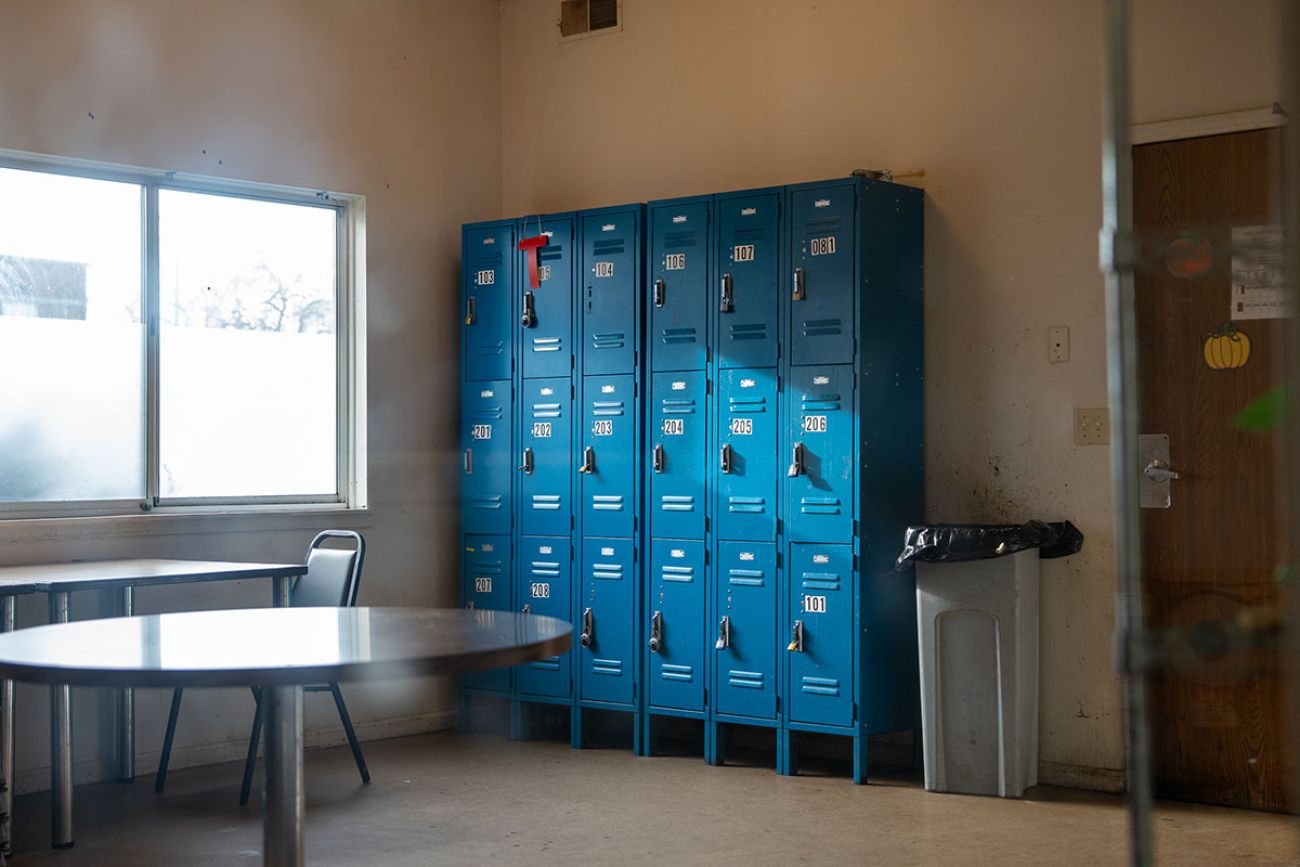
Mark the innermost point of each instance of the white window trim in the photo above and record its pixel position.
(352, 496)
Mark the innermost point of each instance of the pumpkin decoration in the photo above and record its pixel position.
(1189, 255)
(1227, 348)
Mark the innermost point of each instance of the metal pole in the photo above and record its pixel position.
(7, 741)
(283, 799)
(60, 746)
(1117, 255)
(126, 705)
(280, 591)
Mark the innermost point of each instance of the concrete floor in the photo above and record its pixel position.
(448, 799)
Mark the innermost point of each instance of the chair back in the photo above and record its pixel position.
(333, 574)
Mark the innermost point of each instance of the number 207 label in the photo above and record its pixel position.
(814, 604)
(482, 585)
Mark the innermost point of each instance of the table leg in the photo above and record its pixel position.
(6, 741)
(60, 745)
(280, 592)
(283, 801)
(126, 704)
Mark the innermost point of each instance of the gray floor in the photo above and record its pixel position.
(482, 800)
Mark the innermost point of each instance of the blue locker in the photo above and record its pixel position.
(746, 643)
(676, 610)
(820, 647)
(485, 457)
(546, 458)
(611, 267)
(544, 588)
(606, 621)
(678, 465)
(749, 244)
(607, 463)
(823, 283)
(821, 474)
(747, 443)
(485, 572)
(679, 287)
(546, 313)
(487, 301)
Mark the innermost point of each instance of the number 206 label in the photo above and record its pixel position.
(814, 604)
(814, 424)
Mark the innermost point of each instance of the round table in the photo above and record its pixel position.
(279, 650)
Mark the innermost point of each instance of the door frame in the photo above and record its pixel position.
(1207, 124)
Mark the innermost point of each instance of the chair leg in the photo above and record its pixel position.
(250, 762)
(160, 779)
(351, 733)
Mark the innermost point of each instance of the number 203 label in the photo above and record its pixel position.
(814, 604)
(602, 428)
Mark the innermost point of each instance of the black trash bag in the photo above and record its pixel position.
(954, 543)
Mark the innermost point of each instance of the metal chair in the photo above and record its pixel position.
(332, 579)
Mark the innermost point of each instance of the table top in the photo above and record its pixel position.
(275, 646)
(99, 574)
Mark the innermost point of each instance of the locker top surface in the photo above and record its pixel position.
(903, 189)
(635, 208)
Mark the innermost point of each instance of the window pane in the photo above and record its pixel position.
(71, 339)
(247, 349)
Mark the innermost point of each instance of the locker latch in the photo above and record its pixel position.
(528, 608)
(527, 465)
(469, 310)
(796, 462)
(659, 457)
(529, 317)
(799, 293)
(656, 631)
(469, 462)
(469, 606)
(726, 458)
(726, 305)
(724, 634)
(796, 640)
(588, 460)
(588, 628)
(661, 293)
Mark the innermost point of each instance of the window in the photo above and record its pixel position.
(175, 342)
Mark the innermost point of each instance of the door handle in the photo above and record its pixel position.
(659, 458)
(588, 628)
(656, 631)
(799, 290)
(796, 639)
(469, 462)
(724, 634)
(727, 303)
(528, 608)
(661, 293)
(469, 310)
(529, 317)
(796, 462)
(1159, 471)
(527, 465)
(725, 463)
(588, 460)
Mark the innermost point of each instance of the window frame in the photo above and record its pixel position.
(350, 349)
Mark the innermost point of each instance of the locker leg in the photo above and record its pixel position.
(788, 744)
(860, 758)
(648, 735)
(575, 728)
(462, 721)
(516, 720)
(715, 740)
(638, 734)
(918, 750)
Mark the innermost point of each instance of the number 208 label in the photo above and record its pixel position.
(540, 591)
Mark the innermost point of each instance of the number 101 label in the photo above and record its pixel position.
(814, 604)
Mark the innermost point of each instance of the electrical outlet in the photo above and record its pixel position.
(1092, 427)
(1058, 344)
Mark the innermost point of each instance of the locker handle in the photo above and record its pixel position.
(656, 631)
(527, 465)
(726, 458)
(799, 290)
(661, 293)
(469, 462)
(796, 640)
(796, 462)
(469, 310)
(588, 628)
(529, 317)
(528, 608)
(588, 460)
(726, 305)
(469, 606)
(659, 458)
(724, 634)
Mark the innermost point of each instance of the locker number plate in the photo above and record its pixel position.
(814, 424)
(814, 604)
(821, 246)
(482, 585)
(675, 262)
(541, 430)
(742, 253)
(481, 431)
(485, 278)
(602, 428)
(540, 591)
(674, 427)
(741, 427)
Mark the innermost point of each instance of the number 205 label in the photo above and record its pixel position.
(814, 604)
(814, 424)
(741, 427)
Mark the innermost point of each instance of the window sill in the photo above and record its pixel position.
(191, 521)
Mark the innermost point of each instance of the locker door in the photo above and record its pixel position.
(679, 292)
(606, 618)
(546, 458)
(609, 278)
(544, 588)
(677, 455)
(821, 630)
(607, 462)
(746, 663)
(676, 624)
(487, 304)
(822, 294)
(747, 440)
(547, 313)
(749, 240)
(820, 429)
(485, 587)
(485, 469)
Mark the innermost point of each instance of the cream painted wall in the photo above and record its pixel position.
(398, 101)
(998, 103)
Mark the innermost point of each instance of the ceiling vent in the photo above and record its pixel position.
(582, 18)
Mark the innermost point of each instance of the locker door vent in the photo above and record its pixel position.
(674, 240)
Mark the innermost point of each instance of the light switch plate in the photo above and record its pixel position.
(1092, 427)
(1058, 344)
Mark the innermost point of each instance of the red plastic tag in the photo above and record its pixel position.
(531, 248)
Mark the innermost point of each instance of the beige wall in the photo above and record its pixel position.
(398, 101)
(998, 102)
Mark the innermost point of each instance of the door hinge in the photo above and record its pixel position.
(778, 559)
(778, 705)
(855, 562)
(855, 712)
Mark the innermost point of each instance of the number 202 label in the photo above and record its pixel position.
(602, 428)
(541, 430)
(482, 585)
(540, 591)
(674, 427)
(821, 246)
(814, 424)
(481, 431)
(675, 262)
(814, 604)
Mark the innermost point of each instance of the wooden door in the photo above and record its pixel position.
(1218, 730)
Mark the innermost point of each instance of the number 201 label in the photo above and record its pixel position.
(481, 431)
(814, 424)
(814, 604)
(821, 246)
(482, 585)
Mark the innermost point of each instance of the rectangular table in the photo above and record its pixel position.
(58, 580)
